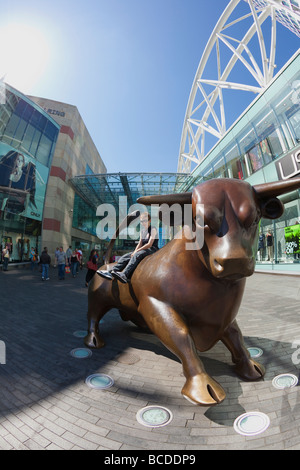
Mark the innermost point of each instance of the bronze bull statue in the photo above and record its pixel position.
(190, 298)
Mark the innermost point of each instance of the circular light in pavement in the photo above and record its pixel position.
(255, 352)
(81, 353)
(285, 381)
(154, 416)
(251, 423)
(99, 381)
(80, 333)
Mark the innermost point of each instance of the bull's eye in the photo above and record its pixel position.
(213, 218)
(254, 222)
(214, 225)
(250, 218)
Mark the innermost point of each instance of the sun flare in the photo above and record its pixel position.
(24, 55)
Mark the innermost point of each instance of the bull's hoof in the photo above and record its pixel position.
(250, 370)
(93, 340)
(203, 390)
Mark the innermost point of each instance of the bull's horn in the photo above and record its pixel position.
(277, 188)
(170, 199)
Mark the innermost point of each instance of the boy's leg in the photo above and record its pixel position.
(122, 262)
(135, 260)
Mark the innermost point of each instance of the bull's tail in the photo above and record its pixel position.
(125, 222)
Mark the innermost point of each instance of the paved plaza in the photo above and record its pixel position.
(45, 402)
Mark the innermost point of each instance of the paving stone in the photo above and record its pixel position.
(46, 404)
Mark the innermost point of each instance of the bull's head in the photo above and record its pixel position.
(230, 211)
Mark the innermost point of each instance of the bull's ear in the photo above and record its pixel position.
(271, 208)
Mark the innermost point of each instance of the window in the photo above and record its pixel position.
(219, 168)
(294, 118)
(276, 142)
(266, 151)
(44, 150)
(35, 142)
(29, 133)
(234, 163)
(255, 158)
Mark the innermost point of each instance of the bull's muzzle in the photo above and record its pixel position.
(233, 268)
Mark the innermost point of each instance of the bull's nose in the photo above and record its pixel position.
(218, 266)
(233, 267)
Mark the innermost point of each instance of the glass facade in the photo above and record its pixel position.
(264, 145)
(27, 141)
(120, 190)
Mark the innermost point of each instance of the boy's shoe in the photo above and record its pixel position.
(105, 274)
(120, 276)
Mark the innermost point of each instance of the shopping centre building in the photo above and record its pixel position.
(263, 145)
(43, 144)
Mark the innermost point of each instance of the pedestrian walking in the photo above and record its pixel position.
(68, 255)
(74, 263)
(5, 255)
(45, 262)
(79, 254)
(92, 266)
(61, 261)
(33, 256)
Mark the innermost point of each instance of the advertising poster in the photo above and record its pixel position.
(23, 182)
(292, 239)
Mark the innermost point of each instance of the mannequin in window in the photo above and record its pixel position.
(261, 246)
(270, 246)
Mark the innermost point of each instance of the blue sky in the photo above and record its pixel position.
(128, 66)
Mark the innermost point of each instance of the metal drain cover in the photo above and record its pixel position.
(99, 381)
(80, 333)
(81, 353)
(255, 352)
(251, 423)
(285, 381)
(154, 416)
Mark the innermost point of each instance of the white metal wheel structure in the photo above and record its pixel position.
(205, 119)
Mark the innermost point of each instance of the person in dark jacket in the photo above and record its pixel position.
(92, 266)
(45, 261)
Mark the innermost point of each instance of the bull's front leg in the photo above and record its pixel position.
(94, 315)
(173, 332)
(245, 367)
(93, 338)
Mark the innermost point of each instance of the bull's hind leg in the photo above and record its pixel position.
(94, 315)
(173, 332)
(245, 367)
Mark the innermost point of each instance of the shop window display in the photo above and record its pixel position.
(233, 163)
(286, 237)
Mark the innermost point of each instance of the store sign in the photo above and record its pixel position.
(55, 112)
(289, 165)
(292, 239)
